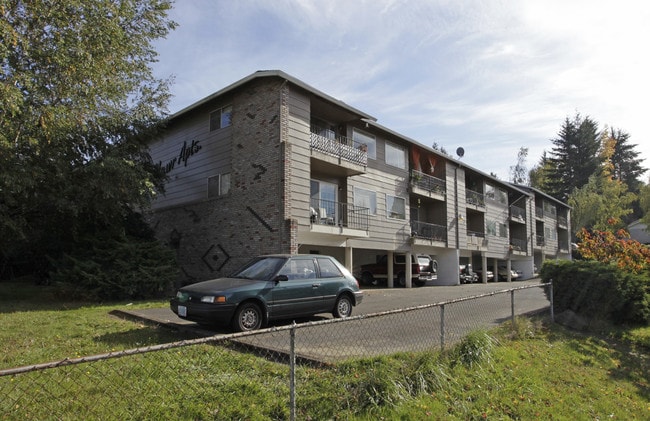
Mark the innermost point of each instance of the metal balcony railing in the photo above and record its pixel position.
(517, 244)
(327, 212)
(518, 213)
(327, 142)
(539, 212)
(428, 231)
(540, 240)
(427, 182)
(475, 198)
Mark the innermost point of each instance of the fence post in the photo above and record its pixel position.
(292, 372)
(551, 296)
(512, 307)
(442, 327)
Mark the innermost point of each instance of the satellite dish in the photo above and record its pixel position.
(460, 152)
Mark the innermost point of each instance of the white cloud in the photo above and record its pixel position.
(494, 75)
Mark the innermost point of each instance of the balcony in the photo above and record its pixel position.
(518, 246)
(338, 150)
(475, 198)
(562, 222)
(540, 241)
(330, 214)
(518, 214)
(476, 240)
(430, 232)
(539, 212)
(427, 185)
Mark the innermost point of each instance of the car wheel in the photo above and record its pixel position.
(420, 283)
(367, 279)
(343, 307)
(247, 317)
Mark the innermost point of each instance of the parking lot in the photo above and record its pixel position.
(378, 326)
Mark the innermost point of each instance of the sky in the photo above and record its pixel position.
(488, 76)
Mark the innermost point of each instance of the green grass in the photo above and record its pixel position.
(536, 370)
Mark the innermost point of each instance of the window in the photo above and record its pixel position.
(299, 269)
(328, 269)
(395, 156)
(549, 210)
(491, 228)
(323, 199)
(503, 230)
(496, 194)
(220, 118)
(365, 199)
(218, 185)
(395, 207)
(369, 140)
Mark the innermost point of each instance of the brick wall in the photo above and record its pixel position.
(214, 237)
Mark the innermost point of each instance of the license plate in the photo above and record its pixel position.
(182, 311)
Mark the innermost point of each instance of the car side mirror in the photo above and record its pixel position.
(281, 278)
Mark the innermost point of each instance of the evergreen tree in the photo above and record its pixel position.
(574, 156)
(625, 160)
(538, 175)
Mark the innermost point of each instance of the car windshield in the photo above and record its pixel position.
(263, 268)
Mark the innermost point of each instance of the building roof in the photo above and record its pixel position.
(271, 73)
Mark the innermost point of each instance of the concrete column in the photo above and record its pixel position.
(508, 268)
(484, 268)
(349, 264)
(389, 269)
(408, 270)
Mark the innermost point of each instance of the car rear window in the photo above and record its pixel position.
(328, 269)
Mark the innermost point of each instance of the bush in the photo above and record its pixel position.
(115, 269)
(599, 290)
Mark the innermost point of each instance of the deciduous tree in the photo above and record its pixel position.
(77, 100)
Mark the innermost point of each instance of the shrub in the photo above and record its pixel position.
(115, 269)
(599, 290)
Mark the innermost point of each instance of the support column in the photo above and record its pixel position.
(408, 270)
(349, 264)
(484, 270)
(389, 269)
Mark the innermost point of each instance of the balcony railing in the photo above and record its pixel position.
(327, 142)
(327, 212)
(517, 244)
(428, 231)
(562, 221)
(429, 183)
(540, 240)
(518, 213)
(475, 198)
(539, 212)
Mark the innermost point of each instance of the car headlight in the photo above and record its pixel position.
(213, 299)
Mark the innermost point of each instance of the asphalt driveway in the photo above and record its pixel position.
(378, 326)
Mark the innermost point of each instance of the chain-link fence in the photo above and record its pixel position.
(259, 375)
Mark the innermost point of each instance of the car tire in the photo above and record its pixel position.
(342, 307)
(247, 317)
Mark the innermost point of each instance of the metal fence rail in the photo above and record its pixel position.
(198, 379)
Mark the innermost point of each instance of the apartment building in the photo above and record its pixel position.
(270, 164)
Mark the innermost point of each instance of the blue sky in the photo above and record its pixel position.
(488, 76)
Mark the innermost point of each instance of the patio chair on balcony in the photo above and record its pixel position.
(324, 218)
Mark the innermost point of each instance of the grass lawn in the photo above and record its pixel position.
(536, 371)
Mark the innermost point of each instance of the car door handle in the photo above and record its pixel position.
(315, 285)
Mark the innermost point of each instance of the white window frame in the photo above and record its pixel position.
(390, 203)
(221, 118)
(220, 183)
(362, 138)
(395, 155)
(369, 195)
